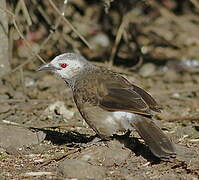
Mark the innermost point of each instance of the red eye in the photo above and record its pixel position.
(64, 65)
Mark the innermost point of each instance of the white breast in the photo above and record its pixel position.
(123, 115)
(120, 119)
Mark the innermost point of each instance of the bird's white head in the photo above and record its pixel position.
(66, 65)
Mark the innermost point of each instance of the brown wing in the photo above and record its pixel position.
(124, 100)
(147, 98)
(130, 98)
(112, 92)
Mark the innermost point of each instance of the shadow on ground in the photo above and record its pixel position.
(139, 148)
(60, 138)
(73, 138)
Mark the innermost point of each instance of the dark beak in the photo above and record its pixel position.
(48, 67)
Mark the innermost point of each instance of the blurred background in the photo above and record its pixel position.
(126, 33)
(154, 43)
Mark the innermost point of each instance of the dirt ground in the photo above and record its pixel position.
(152, 43)
(42, 132)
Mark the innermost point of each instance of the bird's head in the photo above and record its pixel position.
(66, 65)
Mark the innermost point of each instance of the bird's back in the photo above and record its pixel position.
(112, 92)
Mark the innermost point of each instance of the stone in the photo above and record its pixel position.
(16, 137)
(114, 154)
(58, 108)
(147, 69)
(72, 168)
(4, 108)
(4, 47)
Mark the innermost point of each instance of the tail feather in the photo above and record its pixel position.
(159, 144)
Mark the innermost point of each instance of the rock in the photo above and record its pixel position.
(19, 95)
(59, 108)
(23, 51)
(4, 45)
(170, 176)
(46, 82)
(195, 78)
(100, 40)
(16, 137)
(138, 177)
(186, 132)
(29, 82)
(4, 97)
(186, 154)
(11, 150)
(72, 168)
(4, 108)
(4, 89)
(172, 76)
(114, 154)
(194, 164)
(27, 107)
(2, 150)
(147, 69)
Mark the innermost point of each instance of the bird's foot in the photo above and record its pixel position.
(95, 141)
(122, 137)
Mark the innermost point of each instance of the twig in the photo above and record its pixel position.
(10, 42)
(125, 21)
(33, 127)
(117, 41)
(41, 46)
(26, 42)
(169, 15)
(11, 100)
(23, 64)
(59, 157)
(52, 126)
(195, 3)
(69, 24)
(21, 35)
(186, 100)
(36, 174)
(22, 80)
(184, 90)
(24, 100)
(25, 11)
(42, 11)
(184, 118)
(68, 38)
(17, 8)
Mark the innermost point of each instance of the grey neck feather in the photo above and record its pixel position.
(86, 68)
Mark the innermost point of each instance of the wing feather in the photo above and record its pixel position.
(113, 92)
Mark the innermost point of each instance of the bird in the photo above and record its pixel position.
(109, 103)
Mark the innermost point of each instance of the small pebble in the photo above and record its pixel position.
(147, 70)
(4, 108)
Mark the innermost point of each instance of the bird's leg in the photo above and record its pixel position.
(97, 140)
(124, 139)
(124, 136)
(127, 134)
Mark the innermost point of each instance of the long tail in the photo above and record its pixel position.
(159, 144)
